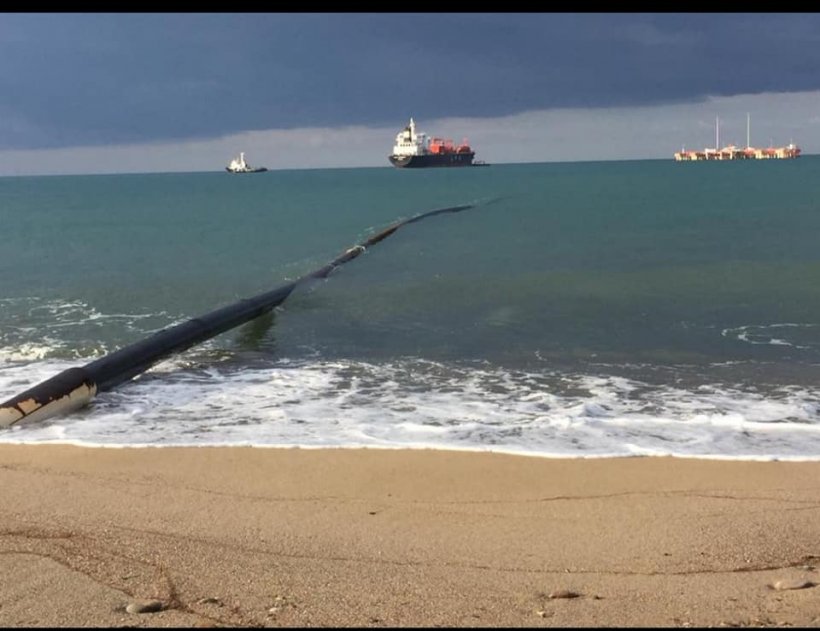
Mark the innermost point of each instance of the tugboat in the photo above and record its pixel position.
(417, 150)
(238, 165)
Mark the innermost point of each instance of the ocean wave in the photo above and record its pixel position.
(796, 335)
(423, 404)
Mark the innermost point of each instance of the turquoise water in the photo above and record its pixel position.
(612, 308)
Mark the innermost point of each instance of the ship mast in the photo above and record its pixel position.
(748, 137)
(717, 132)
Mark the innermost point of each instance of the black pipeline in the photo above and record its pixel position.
(75, 387)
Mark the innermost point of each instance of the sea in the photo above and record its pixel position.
(574, 310)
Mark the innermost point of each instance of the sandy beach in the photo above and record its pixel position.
(369, 538)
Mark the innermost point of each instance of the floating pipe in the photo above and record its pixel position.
(76, 387)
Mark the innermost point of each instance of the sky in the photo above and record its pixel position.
(158, 92)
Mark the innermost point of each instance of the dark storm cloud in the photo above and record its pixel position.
(91, 79)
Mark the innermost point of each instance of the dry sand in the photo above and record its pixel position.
(369, 538)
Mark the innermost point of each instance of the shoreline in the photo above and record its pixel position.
(79, 444)
(245, 536)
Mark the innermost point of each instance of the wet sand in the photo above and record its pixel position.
(369, 538)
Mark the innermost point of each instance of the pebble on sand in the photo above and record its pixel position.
(799, 583)
(144, 606)
(563, 593)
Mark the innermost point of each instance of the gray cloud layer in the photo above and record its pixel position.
(112, 79)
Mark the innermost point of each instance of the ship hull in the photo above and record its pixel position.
(253, 170)
(464, 159)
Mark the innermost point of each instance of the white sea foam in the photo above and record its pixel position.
(764, 334)
(418, 404)
(28, 351)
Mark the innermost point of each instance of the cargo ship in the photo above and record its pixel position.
(418, 150)
(731, 152)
